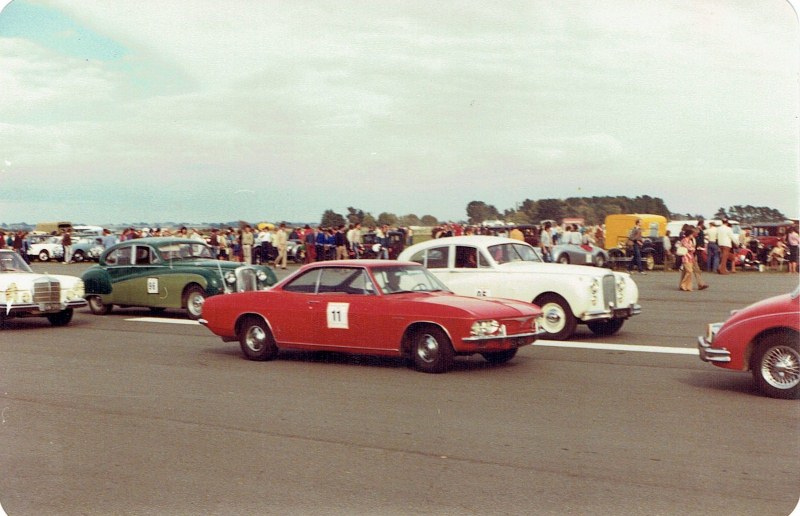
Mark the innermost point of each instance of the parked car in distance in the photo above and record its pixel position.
(620, 250)
(374, 307)
(763, 338)
(45, 247)
(164, 272)
(580, 254)
(87, 248)
(24, 293)
(488, 266)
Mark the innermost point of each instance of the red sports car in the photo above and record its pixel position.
(763, 338)
(376, 307)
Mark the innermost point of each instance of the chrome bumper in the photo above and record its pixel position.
(504, 336)
(709, 354)
(43, 308)
(614, 313)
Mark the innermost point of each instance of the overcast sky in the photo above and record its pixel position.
(278, 110)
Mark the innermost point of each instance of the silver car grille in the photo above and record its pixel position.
(46, 291)
(246, 279)
(609, 290)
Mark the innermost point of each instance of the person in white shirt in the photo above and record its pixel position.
(726, 240)
(712, 249)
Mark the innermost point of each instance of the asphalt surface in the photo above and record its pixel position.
(129, 414)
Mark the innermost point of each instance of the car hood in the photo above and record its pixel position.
(24, 279)
(207, 263)
(555, 268)
(784, 303)
(476, 306)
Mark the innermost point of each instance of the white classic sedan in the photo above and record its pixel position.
(24, 293)
(502, 267)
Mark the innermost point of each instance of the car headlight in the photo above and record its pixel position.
(12, 293)
(230, 277)
(712, 330)
(482, 328)
(261, 275)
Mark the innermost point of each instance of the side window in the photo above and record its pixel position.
(419, 257)
(437, 257)
(307, 283)
(142, 255)
(466, 257)
(344, 280)
(121, 256)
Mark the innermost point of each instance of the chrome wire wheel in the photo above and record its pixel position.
(780, 367)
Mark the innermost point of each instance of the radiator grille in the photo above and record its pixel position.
(609, 290)
(46, 291)
(246, 279)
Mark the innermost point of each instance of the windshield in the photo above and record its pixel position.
(12, 262)
(516, 252)
(184, 250)
(404, 278)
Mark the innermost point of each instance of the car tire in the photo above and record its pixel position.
(61, 318)
(43, 256)
(605, 327)
(97, 306)
(193, 300)
(78, 256)
(431, 350)
(649, 261)
(600, 261)
(775, 365)
(564, 258)
(558, 321)
(499, 357)
(256, 340)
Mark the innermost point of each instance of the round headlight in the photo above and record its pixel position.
(11, 293)
(261, 275)
(230, 277)
(489, 327)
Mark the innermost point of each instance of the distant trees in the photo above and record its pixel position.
(366, 219)
(750, 214)
(479, 211)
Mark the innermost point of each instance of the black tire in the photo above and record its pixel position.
(256, 340)
(43, 256)
(558, 322)
(78, 256)
(499, 357)
(564, 258)
(2, 319)
(97, 306)
(775, 366)
(600, 260)
(193, 299)
(606, 326)
(431, 350)
(615, 258)
(61, 318)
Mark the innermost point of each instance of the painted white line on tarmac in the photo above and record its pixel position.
(163, 321)
(616, 347)
(546, 343)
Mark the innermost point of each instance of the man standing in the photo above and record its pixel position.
(281, 239)
(725, 238)
(341, 243)
(546, 242)
(248, 239)
(66, 243)
(712, 249)
(635, 237)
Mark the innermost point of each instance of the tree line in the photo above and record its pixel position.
(592, 209)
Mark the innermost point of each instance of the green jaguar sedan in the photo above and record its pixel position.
(162, 273)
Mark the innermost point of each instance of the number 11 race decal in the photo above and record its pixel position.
(337, 315)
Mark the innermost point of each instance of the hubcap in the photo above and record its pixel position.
(554, 319)
(255, 338)
(780, 367)
(196, 304)
(428, 349)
